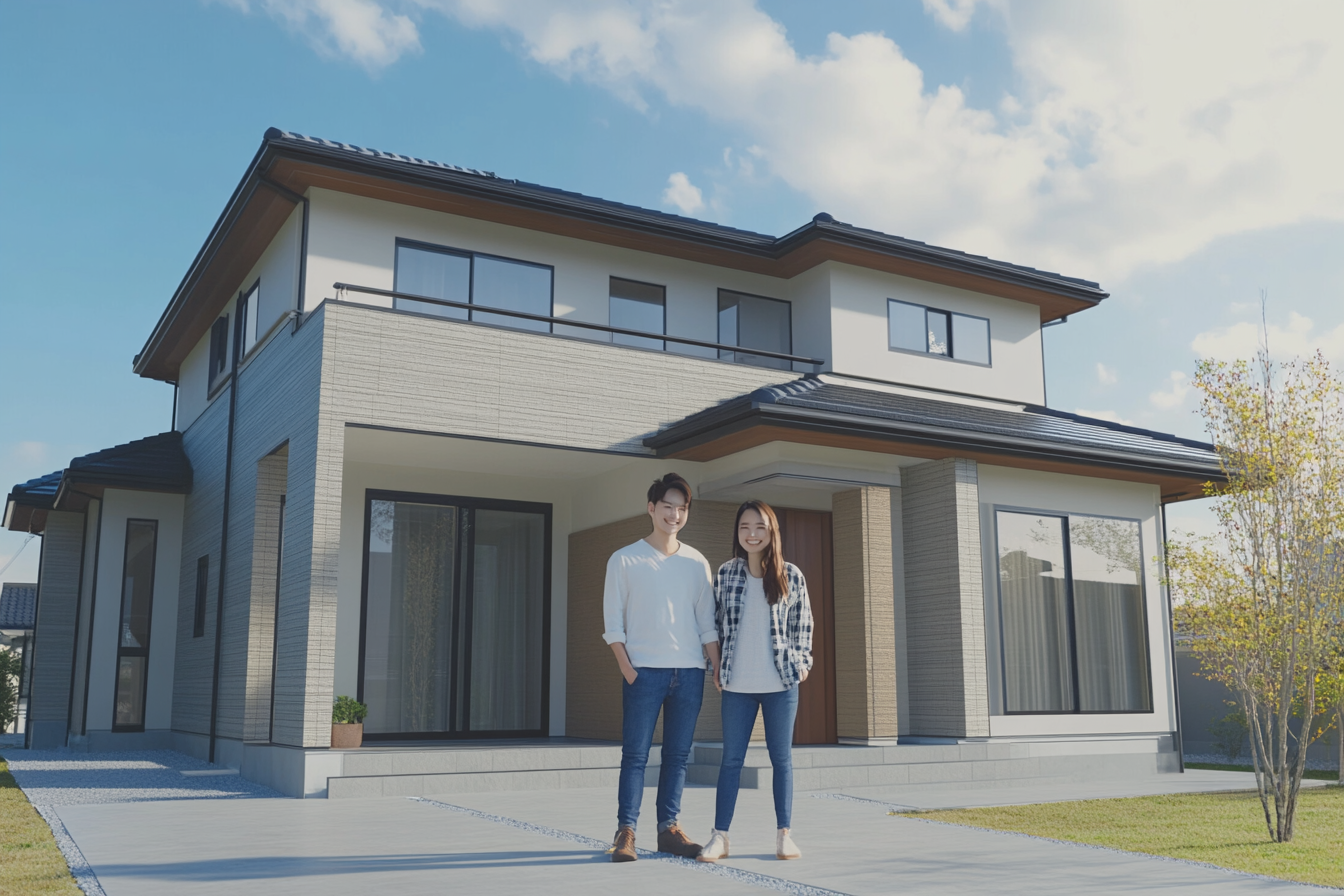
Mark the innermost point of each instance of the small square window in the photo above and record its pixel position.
(219, 349)
(755, 322)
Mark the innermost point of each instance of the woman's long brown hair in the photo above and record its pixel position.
(772, 560)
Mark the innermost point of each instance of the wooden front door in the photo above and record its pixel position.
(806, 535)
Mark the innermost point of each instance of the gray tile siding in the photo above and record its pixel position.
(944, 600)
(57, 600)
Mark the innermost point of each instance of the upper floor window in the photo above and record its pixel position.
(755, 322)
(219, 350)
(247, 310)
(638, 306)
(455, 275)
(915, 328)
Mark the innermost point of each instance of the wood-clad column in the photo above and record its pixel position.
(865, 642)
(944, 600)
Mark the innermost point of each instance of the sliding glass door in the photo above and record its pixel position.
(456, 617)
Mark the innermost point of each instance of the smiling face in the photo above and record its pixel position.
(753, 532)
(670, 514)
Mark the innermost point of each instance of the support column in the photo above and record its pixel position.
(55, 629)
(944, 600)
(865, 644)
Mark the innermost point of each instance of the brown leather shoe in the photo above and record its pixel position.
(675, 841)
(624, 845)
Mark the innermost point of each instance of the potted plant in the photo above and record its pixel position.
(347, 723)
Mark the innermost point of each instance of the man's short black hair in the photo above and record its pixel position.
(670, 482)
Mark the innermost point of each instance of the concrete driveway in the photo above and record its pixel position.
(550, 842)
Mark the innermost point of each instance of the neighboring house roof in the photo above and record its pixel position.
(288, 164)
(18, 605)
(154, 464)
(814, 410)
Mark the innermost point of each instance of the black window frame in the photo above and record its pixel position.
(219, 353)
(1065, 515)
(468, 504)
(202, 596)
(611, 279)
(248, 312)
(149, 628)
(735, 356)
(471, 256)
(951, 339)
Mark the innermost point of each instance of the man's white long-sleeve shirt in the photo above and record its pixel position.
(661, 607)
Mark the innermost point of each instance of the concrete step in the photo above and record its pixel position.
(986, 764)
(401, 771)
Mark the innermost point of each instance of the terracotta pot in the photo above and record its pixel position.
(347, 737)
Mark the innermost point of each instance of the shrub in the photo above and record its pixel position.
(348, 711)
(1229, 736)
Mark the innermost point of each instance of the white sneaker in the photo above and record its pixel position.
(716, 848)
(785, 848)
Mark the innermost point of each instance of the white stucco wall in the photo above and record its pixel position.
(277, 270)
(859, 327)
(118, 507)
(353, 240)
(1056, 493)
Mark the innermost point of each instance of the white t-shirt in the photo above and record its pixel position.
(661, 607)
(754, 670)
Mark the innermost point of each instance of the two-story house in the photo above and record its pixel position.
(417, 406)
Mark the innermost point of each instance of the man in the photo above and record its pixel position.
(659, 613)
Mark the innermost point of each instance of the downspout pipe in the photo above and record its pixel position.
(1175, 672)
(224, 530)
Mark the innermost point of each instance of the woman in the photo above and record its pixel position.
(765, 629)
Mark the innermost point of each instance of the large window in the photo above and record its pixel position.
(137, 604)
(456, 621)
(1071, 614)
(638, 306)
(755, 322)
(946, 334)
(472, 278)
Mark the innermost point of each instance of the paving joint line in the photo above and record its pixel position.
(753, 878)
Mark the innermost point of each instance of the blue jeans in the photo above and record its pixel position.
(780, 708)
(677, 693)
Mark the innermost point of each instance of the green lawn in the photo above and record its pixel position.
(30, 862)
(1226, 829)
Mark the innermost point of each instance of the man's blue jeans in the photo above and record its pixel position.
(780, 708)
(677, 693)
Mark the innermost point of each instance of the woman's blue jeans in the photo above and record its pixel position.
(779, 708)
(677, 693)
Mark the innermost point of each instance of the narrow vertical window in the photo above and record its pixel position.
(137, 604)
(202, 590)
(755, 322)
(247, 307)
(219, 349)
(638, 306)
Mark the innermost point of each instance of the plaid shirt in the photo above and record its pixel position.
(790, 621)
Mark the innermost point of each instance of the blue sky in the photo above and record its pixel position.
(1186, 157)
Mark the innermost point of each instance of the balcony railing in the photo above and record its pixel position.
(342, 288)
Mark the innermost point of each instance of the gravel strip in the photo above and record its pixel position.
(84, 877)
(1315, 765)
(67, 778)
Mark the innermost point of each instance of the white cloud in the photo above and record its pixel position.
(1106, 415)
(954, 14)
(683, 194)
(361, 30)
(1298, 339)
(1173, 395)
(29, 453)
(1106, 375)
(1142, 130)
